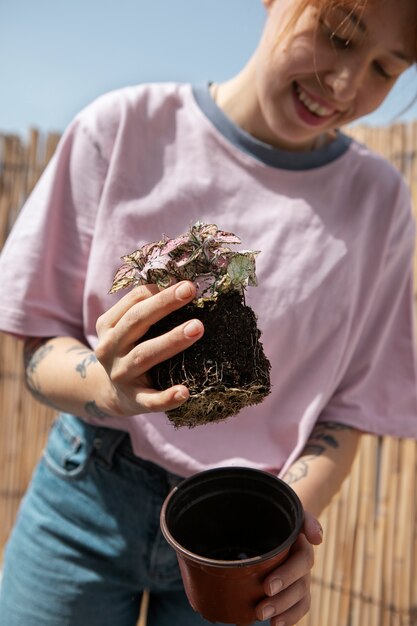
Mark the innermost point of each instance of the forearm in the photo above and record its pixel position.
(65, 374)
(317, 475)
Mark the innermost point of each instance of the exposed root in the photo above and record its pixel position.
(214, 405)
(224, 371)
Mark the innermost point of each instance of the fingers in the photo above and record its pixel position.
(137, 320)
(128, 320)
(159, 401)
(290, 606)
(140, 308)
(110, 318)
(288, 587)
(149, 353)
(312, 529)
(297, 565)
(128, 361)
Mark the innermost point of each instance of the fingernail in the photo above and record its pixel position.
(267, 611)
(184, 291)
(275, 586)
(320, 528)
(180, 396)
(192, 329)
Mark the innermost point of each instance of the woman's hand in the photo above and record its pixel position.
(127, 360)
(288, 587)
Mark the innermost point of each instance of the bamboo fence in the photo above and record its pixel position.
(23, 423)
(366, 570)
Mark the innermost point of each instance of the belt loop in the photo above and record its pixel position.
(105, 444)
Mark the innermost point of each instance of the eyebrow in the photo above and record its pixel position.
(358, 23)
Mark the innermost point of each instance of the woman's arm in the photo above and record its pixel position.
(316, 476)
(64, 373)
(318, 473)
(112, 380)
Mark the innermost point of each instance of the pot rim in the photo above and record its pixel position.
(237, 563)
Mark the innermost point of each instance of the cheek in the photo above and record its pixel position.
(279, 67)
(268, 74)
(373, 95)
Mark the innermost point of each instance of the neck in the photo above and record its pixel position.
(237, 98)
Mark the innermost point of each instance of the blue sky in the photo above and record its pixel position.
(58, 55)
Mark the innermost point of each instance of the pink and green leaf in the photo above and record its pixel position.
(200, 255)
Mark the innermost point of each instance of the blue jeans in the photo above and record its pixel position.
(87, 540)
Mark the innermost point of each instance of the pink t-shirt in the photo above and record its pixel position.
(336, 235)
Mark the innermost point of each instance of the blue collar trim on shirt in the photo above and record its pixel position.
(262, 151)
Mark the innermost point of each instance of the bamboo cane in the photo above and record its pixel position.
(369, 491)
(351, 521)
(381, 517)
(342, 573)
(335, 584)
(390, 570)
(32, 161)
(328, 565)
(144, 608)
(406, 524)
(318, 576)
(357, 606)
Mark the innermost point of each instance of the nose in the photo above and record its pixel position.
(344, 81)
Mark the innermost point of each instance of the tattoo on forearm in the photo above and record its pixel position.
(323, 437)
(88, 358)
(297, 471)
(326, 432)
(93, 410)
(36, 350)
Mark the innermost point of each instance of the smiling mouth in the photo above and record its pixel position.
(312, 105)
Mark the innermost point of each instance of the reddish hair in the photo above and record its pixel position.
(323, 5)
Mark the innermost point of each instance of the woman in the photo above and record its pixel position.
(260, 155)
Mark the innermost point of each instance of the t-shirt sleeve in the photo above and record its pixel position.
(378, 391)
(43, 262)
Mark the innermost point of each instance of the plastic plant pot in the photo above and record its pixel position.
(230, 527)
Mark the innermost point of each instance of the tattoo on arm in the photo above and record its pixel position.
(93, 410)
(88, 357)
(323, 437)
(36, 350)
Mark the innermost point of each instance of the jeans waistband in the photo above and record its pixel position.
(106, 443)
(125, 449)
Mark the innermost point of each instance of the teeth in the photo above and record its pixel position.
(312, 105)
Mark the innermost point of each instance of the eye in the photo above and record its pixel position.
(382, 72)
(337, 40)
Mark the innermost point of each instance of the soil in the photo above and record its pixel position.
(225, 370)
